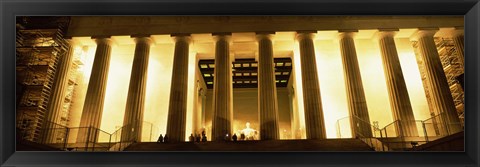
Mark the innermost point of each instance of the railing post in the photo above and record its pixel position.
(120, 140)
(425, 132)
(445, 124)
(95, 138)
(109, 142)
(386, 138)
(383, 146)
(116, 137)
(88, 138)
(402, 136)
(65, 142)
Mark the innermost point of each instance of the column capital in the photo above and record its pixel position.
(386, 32)
(103, 40)
(305, 34)
(264, 35)
(181, 37)
(222, 35)
(143, 38)
(347, 33)
(456, 31)
(423, 32)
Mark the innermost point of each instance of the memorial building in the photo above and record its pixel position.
(113, 83)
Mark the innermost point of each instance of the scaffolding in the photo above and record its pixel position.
(453, 68)
(70, 92)
(37, 54)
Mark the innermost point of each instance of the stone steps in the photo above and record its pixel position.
(273, 145)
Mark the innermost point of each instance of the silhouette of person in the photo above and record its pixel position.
(242, 136)
(234, 137)
(160, 139)
(197, 138)
(191, 138)
(204, 137)
(165, 139)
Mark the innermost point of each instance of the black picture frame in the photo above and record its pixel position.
(9, 9)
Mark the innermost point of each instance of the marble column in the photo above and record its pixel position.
(436, 80)
(177, 109)
(94, 99)
(133, 119)
(314, 120)
(357, 104)
(267, 89)
(397, 89)
(222, 88)
(57, 96)
(458, 41)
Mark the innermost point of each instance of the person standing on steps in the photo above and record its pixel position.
(160, 139)
(191, 138)
(165, 139)
(204, 137)
(197, 138)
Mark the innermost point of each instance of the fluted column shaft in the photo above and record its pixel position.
(314, 120)
(357, 104)
(134, 109)
(222, 89)
(94, 99)
(267, 90)
(436, 80)
(397, 89)
(177, 109)
(57, 96)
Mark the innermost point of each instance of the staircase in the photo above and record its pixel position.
(258, 145)
(405, 143)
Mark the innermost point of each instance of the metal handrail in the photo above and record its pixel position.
(387, 140)
(372, 142)
(114, 141)
(440, 127)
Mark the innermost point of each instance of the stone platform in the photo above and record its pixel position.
(272, 145)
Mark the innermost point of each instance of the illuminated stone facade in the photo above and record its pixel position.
(157, 77)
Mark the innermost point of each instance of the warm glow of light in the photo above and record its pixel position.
(373, 79)
(86, 55)
(83, 76)
(330, 74)
(117, 87)
(333, 91)
(298, 88)
(413, 80)
(332, 87)
(190, 94)
(158, 87)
